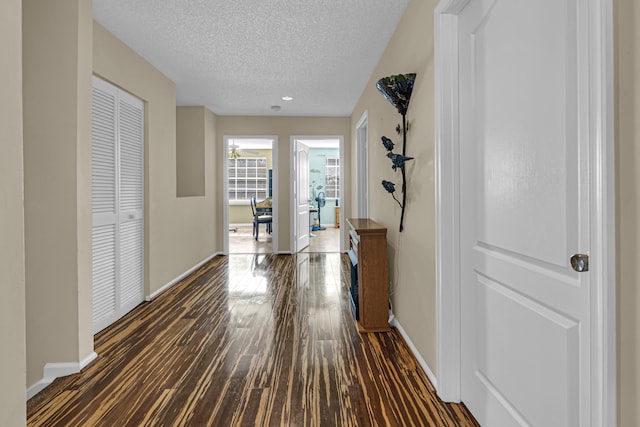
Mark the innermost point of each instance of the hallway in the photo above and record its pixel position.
(248, 339)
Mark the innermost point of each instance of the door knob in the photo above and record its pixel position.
(580, 262)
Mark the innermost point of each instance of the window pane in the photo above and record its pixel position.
(247, 177)
(332, 173)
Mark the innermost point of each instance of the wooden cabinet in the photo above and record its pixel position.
(337, 216)
(369, 249)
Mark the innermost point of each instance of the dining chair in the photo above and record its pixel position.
(260, 216)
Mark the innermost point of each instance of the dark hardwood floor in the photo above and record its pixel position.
(261, 340)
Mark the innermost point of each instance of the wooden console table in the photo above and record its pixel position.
(369, 248)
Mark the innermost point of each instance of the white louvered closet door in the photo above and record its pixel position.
(118, 199)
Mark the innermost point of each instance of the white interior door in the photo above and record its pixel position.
(524, 203)
(302, 196)
(118, 189)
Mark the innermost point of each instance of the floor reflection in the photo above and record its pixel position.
(241, 241)
(257, 339)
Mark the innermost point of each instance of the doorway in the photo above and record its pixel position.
(250, 186)
(323, 194)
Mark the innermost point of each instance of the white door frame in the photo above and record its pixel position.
(362, 165)
(602, 256)
(225, 188)
(117, 217)
(292, 180)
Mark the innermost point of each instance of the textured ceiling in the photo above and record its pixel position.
(240, 57)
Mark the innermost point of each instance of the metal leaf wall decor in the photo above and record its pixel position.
(397, 90)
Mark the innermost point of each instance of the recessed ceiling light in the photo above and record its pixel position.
(287, 98)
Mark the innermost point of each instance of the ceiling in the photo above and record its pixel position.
(240, 57)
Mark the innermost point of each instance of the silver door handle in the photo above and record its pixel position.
(580, 263)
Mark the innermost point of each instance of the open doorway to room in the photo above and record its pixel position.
(250, 194)
(323, 176)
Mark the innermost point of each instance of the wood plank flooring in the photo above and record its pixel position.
(248, 340)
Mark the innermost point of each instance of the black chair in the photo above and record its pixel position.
(261, 215)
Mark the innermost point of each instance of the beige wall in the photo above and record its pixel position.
(241, 214)
(57, 182)
(179, 231)
(284, 128)
(190, 146)
(12, 282)
(627, 75)
(412, 252)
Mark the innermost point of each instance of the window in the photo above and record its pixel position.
(332, 177)
(248, 177)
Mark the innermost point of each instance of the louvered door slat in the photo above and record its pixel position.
(104, 272)
(131, 199)
(131, 262)
(104, 151)
(118, 200)
(131, 154)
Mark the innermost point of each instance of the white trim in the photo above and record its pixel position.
(225, 187)
(225, 193)
(51, 371)
(447, 203)
(362, 166)
(604, 373)
(175, 281)
(292, 194)
(603, 261)
(292, 179)
(423, 364)
(341, 198)
(275, 195)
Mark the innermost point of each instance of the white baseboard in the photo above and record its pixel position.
(51, 371)
(395, 323)
(154, 295)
